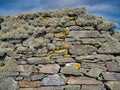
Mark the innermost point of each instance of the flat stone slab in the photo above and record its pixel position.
(83, 81)
(49, 68)
(113, 85)
(84, 34)
(93, 87)
(65, 60)
(82, 49)
(111, 76)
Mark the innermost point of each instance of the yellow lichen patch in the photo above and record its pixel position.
(48, 57)
(66, 55)
(60, 35)
(2, 68)
(67, 31)
(63, 51)
(46, 18)
(64, 44)
(71, 19)
(78, 65)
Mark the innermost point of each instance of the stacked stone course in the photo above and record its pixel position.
(66, 49)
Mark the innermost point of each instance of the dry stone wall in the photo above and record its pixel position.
(66, 49)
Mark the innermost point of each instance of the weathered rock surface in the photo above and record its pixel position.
(53, 80)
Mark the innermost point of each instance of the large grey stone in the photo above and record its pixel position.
(82, 49)
(52, 80)
(94, 72)
(65, 60)
(8, 84)
(111, 76)
(113, 85)
(110, 46)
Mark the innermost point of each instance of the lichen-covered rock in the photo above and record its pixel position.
(53, 80)
(82, 49)
(113, 85)
(49, 68)
(8, 84)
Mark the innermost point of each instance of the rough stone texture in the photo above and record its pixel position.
(49, 68)
(72, 69)
(66, 49)
(37, 60)
(111, 76)
(94, 72)
(92, 87)
(29, 84)
(113, 85)
(82, 49)
(83, 34)
(38, 76)
(65, 60)
(24, 68)
(83, 80)
(53, 80)
(112, 66)
(8, 84)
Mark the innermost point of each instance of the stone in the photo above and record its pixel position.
(91, 41)
(113, 85)
(89, 65)
(73, 87)
(29, 84)
(72, 69)
(112, 66)
(88, 28)
(24, 68)
(69, 39)
(82, 49)
(65, 60)
(53, 80)
(94, 72)
(101, 57)
(18, 78)
(93, 87)
(118, 61)
(111, 76)
(36, 76)
(8, 84)
(51, 88)
(117, 35)
(35, 60)
(49, 68)
(110, 46)
(83, 81)
(84, 34)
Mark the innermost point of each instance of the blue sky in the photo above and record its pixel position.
(109, 9)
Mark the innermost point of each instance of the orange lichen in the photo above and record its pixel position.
(48, 57)
(78, 65)
(66, 55)
(63, 51)
(60, 35)
(71, 19)
(46, 18)
(64, 44)
(67, 31)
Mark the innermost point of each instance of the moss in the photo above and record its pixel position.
(48, 57)
(67, 31)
